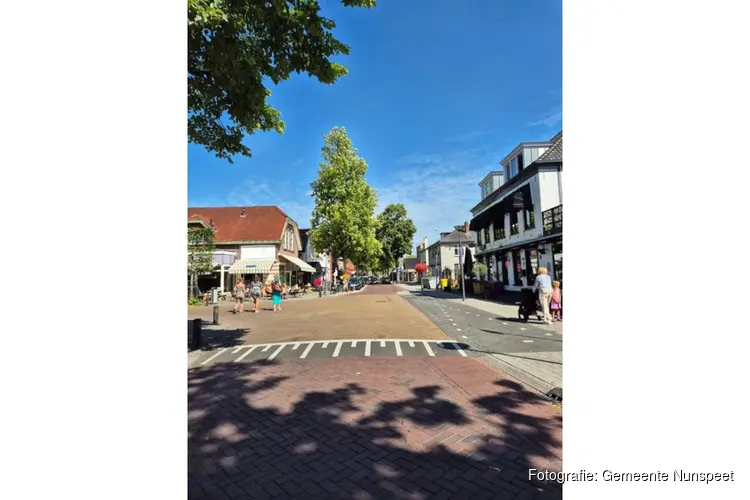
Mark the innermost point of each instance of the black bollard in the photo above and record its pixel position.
(216, 315)
(196, 343)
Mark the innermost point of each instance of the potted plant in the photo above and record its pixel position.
(421, 268)
(479, 272)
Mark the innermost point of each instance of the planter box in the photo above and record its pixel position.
(478, 288)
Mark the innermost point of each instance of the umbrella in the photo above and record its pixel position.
(468, 263)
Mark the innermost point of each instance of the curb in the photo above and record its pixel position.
(521, 375)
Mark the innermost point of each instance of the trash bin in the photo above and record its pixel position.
(443, 283)
(215, 296)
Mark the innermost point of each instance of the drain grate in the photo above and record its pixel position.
(555, 394)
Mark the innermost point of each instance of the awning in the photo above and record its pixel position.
(254, 266)
(304, 266)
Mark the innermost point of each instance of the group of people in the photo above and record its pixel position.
(255, 290)
(550, 296)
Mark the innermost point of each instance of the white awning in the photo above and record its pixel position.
(304, 266)
(254, 266)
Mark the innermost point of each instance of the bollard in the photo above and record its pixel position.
(196, 341)
(216, 315)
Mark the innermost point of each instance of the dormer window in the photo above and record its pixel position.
(243, 214)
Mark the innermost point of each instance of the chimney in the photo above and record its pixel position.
(211, 222)
(466, 227)
(242, 213)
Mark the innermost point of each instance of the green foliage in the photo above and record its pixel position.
(343, 219)
(193, 301)
(480, 270)
(235, 47)
(200, 253)
(395, 233)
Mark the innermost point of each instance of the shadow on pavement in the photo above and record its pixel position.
(539, 336)
(213, 337)
(248, 438)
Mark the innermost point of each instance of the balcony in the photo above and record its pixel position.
(552, 221)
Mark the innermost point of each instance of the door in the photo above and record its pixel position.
(517, 268)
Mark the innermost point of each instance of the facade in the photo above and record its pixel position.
(443, 254)
(249, 242)
(407, 273)
(518, 224)
(321, 262)
(422, 254)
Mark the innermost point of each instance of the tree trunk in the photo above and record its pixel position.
(191, 292)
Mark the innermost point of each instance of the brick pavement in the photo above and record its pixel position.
(376, 312)
(367, 428)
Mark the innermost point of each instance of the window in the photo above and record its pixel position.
(528, 219)
(499, 229)
(520, 161)
(514, 223)
(455, 250)
(514, 167)
(487, 235)
(479, 237)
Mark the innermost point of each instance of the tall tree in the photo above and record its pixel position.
(343, 220)
(200, 254)
(235, 47)
(395, 233)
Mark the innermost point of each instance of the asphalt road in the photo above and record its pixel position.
(483, 332)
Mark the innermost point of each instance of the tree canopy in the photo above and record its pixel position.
(200, 253)
(235, 47)
(395, 233)
(343, 220)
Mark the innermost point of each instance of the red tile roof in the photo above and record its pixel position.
(259, 223)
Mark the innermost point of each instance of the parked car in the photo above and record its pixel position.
(385, 280)
(373, 280)
(355, 284)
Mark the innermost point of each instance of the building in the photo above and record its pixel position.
(443, 254)
(518, 222)
(320, 261)
(422, 254)
(406, 269)
(251, 241)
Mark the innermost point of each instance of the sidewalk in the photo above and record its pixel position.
(540, 370)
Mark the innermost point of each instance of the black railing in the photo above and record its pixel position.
(552, 220)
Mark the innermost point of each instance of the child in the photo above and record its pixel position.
(556, 303)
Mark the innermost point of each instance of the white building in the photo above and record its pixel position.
(443, 254)
(518, 222)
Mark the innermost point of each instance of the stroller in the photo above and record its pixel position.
(529, 304)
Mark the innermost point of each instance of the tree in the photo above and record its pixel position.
(235, 46)
(200, 254)
(395, 233)
(480, 271)
(468, 263)
(343, 220)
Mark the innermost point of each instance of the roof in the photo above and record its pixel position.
(555, 153)
(518, 148)
(259, 224)
(410, 262)
(452, 238)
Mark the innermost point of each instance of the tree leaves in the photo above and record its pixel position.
(395, 233)
(233, 45)
(343, 219)
(200, 250)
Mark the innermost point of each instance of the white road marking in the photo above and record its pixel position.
(505, 323)
(548, 334)
(382, 343)
(244, 355)
(354, 343)
(277, 351)
(477, 315)
(460, 351)
(367, 348)
(296, 346)
(428, 348)
(309, 347)
(325, 344)
(523, 329)
(458, 329)
(411, 343)
(267, 348)
(454, 324)
(337, 350)
(398, 348)
(222, 351)
(464, 337)
(528, 341)
(238, 349)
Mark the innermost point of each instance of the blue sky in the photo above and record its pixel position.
(438, 92)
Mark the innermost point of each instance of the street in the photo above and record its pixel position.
(333, 411)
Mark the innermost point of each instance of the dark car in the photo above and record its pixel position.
(355, 284)
(386, 280)
(372, 280)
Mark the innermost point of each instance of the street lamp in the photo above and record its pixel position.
(461, 229)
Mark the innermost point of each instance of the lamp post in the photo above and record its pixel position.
(460, 230)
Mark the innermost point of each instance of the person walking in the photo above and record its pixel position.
(556, 303)
(543, 285)
(239, 292)
(276, 295)
(255, 292)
